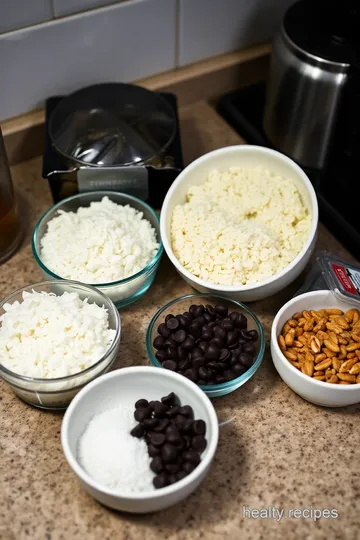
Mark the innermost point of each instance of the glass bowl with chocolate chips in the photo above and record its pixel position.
(216, 342)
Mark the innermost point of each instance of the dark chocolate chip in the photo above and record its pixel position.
(181, 353)
(173, 435)
(224, 355)
(219, 379)
(198, 362)
(200, 382)
(189, 344)
(184, 364)
(159, 408)
(179, 421)
(246, 359)
(241, 321)
(218, 342)
(184, 322)
(250, 347)
(199, 321)
(138, 431)
(172, 479)
(188, 316)
(238, 370)
(173, 324)
(170, 316)
(150, 423)
(141, 414)
(162, 425)
(199, 443)
(187, 411)
(170, 364)
(141, 403)
(172, 468)
(207, 333)
(195, 330)
(163, 330)
(193, 310)
(232, 337)
(245, 335)
(160, 481)
(169, 400)
(227, 325)
(153, 450)
(204, 373)
(203, 345)
(210, 310)
(191, 374)
(187, 426)
(169, 453)
(180, 475)
(158, 342)
(197, 353)
(180, 336)
(156, 465)
(191, 455)
(222, 310)
(170, 343)
(161, 356)
(188, 467)
(171, 353)
(212, 353)
(199, 427)
(156, 439)
(171, 413)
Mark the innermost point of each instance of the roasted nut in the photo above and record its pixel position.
(324, 344)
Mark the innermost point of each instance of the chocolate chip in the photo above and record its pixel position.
(156, 439)
(169, 400)
(160, 481)
(246, 359)
(238, 370)
(197, 353)
(219, 379)
(179, 421)
(199, 443)
(212, 353)
(141, 414)
(170, 316)
(159, 408)
(224, 355)
(189, 344)
(203, 345)
(138, 431)
(254, 334)
(198, 362)
(191, 374)
(158, 342)
(191, 455)
(231, 338)
(218, 342)
(180, 475)
(172, 479)
(181, 353)
(173, 324)
(170, 364)
(199, 427)
(219, 332)
(156, 465)
(200, 382)
(161, 356)
(171, 413)
(195, 330)
(203, 373)
(162, 425)
(200, 321)
(187, 411)
(172, 468)
(241, 322)
(210, 310)
(150, 423)
(141, 403)
(207, 333)
(227, 325)
(193, 310)
(171, 353)
(163, 330)
(188, 467)
(222, 310)
(184, 322)
(250, 347)
(180, 336)
(153, 450)
(168, 453)
(173, 435)
(245, 335)
(188, 316)
(184, 364)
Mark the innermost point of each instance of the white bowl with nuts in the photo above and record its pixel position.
(315, 347)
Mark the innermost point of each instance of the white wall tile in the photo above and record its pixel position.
(212, 27)
(67, 7)
(19, 13)
(118, 43)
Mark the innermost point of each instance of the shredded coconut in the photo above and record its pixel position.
(47, 336)
(102, 243)
(113, 457)
(241, 226)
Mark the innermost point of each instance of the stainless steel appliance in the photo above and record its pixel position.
(312, 104)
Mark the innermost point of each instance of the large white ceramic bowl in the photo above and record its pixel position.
(317, 392)
(124, 387)
(241, 156)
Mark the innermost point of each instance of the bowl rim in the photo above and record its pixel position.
(251, 286)
(105, 193)
(145, 495)
(212, 387)
(108, 304)
(274, 342)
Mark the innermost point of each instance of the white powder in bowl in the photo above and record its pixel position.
(101, 243)
(240, 226)
(112, 456)
(47, 336)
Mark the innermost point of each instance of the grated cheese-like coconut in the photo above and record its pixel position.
(102, 243)
(47, 336)
(240, 226)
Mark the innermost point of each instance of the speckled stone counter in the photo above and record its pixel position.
(277, 450)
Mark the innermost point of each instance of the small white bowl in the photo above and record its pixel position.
(241, 156)
(317, 392)
(126, 386)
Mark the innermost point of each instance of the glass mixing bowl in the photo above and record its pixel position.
(182, 304)
(122, 292)
(57, 393)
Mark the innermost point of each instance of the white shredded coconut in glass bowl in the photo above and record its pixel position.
(240, 227)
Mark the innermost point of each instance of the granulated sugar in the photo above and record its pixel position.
(113, 457)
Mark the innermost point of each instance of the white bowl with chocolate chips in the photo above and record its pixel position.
(315, 347)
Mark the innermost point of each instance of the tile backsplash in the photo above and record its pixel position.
(50, 47)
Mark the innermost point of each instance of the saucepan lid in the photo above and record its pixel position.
(111, 125)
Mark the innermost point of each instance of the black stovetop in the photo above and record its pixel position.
(337, 188)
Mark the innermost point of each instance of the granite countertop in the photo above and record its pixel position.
(277, 450)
